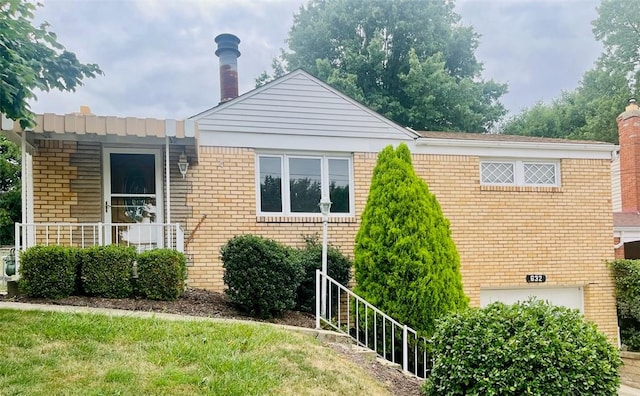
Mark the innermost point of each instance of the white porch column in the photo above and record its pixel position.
(23, 175)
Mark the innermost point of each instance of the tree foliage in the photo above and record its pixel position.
(626, 277)
(411, 61)
(10, 190)
(589, 112)
(406, 262)
(30, 58)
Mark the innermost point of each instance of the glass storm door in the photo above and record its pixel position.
(133, 197)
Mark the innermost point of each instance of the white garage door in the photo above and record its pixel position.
(570, 297)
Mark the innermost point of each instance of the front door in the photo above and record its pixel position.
(133, 197)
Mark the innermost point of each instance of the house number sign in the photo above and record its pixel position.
(536, 278)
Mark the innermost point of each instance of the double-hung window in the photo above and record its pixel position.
(520, 173)
(291, 184)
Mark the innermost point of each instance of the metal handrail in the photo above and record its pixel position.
(359, 319)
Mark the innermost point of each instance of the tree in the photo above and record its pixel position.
(411, 61)
(10, 191)
(590, 111)
(406, 262)
(30, 58)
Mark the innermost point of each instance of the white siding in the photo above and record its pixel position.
(616, 192)
(295, 106)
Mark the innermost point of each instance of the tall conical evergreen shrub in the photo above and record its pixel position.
(405, 261)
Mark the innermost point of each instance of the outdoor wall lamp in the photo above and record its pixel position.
(183, 164)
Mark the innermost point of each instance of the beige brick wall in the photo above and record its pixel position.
(502, 233)
(52, 177)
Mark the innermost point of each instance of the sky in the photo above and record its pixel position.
(158, 55)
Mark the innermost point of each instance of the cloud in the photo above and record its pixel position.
(540, 48)
(158, 56)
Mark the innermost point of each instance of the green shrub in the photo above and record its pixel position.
(161, 274)
(406, 263)
(626, 278)
(338, 268)
(105, 271)
(261, 275)
(47, 271)
(529, 348)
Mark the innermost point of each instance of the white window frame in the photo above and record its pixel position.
(518, 167)
(285, 185)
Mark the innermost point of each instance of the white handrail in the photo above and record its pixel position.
(415, 357)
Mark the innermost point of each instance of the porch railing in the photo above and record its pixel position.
(141, 236)
(347, 313)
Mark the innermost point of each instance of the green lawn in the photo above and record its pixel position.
(43, 353)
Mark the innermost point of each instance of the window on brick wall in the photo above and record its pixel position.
(520, 173)
(290, 184)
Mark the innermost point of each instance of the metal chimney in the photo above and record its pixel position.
(228, 53)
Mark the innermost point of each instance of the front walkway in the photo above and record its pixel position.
(323, 335)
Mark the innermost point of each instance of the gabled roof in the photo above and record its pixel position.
(299, 104)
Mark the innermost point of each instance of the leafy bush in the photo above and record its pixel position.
(47, 271)
(338, 268)
(406, 262)
(261, 275)
(105, 271)
(161, 274)
(529, 348)
(626, 278)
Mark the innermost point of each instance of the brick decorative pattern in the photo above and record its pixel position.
(501, 233)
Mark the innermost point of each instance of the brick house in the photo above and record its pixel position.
(518, 206)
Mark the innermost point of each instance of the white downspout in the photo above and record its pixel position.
(167, 171)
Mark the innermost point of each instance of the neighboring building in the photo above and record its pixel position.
(625, 177)
(259, 163)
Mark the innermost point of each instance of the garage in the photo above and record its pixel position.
(570, 297)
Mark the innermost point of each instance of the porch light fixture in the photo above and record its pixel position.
(325, 206)
(183, 165)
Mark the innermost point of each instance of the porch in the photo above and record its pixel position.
(89, 180)
(138, 235)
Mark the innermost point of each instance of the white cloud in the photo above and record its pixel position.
(158, 56)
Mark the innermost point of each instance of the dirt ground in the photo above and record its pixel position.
(197, 302)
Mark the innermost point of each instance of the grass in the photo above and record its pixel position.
(44, 353)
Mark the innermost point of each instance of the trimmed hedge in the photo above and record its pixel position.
(626, 278)
(106, 271)
(47, 271)
(261, 275)
(529, 348)
(310, 258)
(162, 274)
